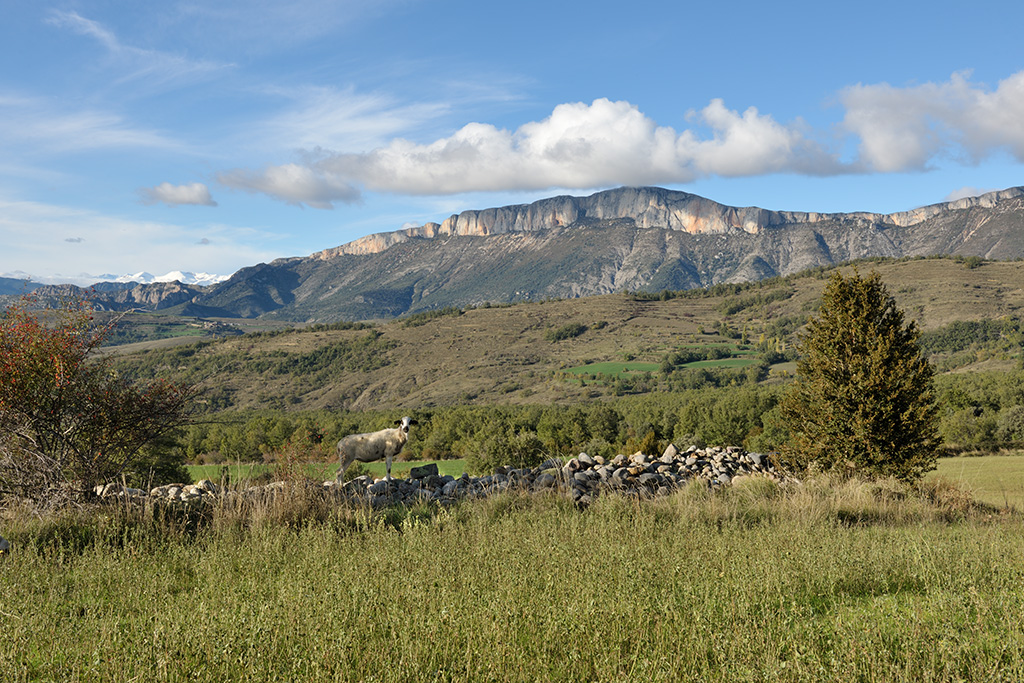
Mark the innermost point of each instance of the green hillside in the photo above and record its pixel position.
(522, 353)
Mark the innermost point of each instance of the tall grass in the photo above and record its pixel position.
(828, 581)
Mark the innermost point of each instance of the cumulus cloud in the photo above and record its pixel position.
(905, 129)
(606, 143)
(173, 195)
(578, 146)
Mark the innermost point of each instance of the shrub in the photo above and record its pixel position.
(565, 332)
(67, 420)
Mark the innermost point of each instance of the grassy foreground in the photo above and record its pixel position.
(845, 582)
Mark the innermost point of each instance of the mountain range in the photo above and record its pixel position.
(644, 238)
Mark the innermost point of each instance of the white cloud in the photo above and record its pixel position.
(173, 195)
(578, 146)
(294, 184)
(752, 144)
(606, 143)
(964, 192)
(902, 129)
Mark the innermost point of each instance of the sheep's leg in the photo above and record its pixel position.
(388, 464)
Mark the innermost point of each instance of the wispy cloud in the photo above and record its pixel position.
(260, 25)
(138, 66)
(44, 125)
(173, 195)
(318, 117)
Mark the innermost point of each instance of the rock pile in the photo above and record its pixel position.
(583, 477)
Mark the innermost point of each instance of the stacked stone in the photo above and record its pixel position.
(173, 493)
(583, 477)
(202, 490)
(645, 475)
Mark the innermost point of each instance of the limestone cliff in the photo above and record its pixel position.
(626, 239)
(647, 207)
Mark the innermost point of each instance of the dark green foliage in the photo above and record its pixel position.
(565, 332)
(863, 400)
(981, 411)
(417, 319)
(724, 417)
(964, 334)
(160, 462)
(734, 305)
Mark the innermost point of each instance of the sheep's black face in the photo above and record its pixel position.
(405, 423)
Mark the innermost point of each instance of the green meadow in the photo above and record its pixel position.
(993, 479)
(829, 581)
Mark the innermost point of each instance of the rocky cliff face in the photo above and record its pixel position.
(151, 297)
(647, 207)
(627, 239)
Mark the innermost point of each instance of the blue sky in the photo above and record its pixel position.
(206, 136)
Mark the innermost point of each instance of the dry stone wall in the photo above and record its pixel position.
(584, 478)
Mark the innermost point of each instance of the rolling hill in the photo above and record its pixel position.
(549, 351)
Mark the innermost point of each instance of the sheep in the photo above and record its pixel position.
(387, 443)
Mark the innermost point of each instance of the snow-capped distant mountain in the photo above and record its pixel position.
(84, 279)
(184, 277)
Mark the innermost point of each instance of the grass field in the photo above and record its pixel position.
(827, 582)
(994, 479)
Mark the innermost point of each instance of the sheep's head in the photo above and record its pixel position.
(405, 423)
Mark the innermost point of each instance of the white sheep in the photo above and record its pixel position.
(387, 444)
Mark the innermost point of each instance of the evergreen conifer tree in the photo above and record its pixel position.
(863, 400)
